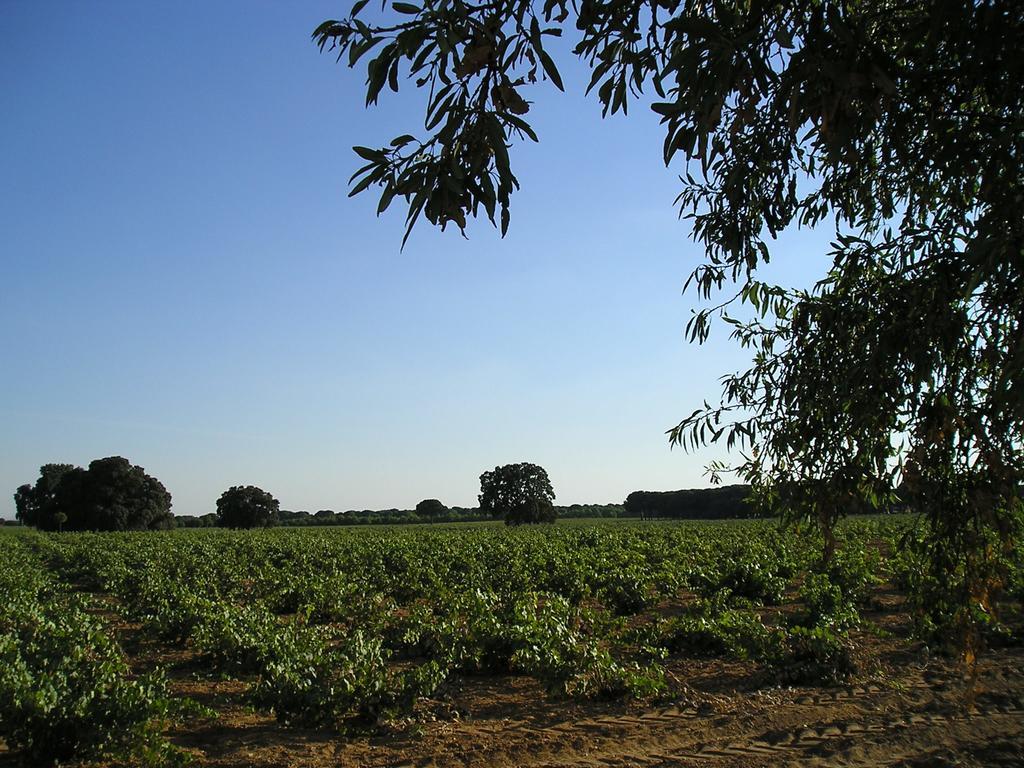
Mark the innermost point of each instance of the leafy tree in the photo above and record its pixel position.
(111, 495)
(519, 493)
(431, 509)
(114, 495)
(246, 507)
(728, 501)
(35, 504)
(25, 505)
(901, 125)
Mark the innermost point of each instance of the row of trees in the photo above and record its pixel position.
(394, 516)
(114, 495)
(730, 501)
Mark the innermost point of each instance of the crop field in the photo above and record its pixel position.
(611, 644)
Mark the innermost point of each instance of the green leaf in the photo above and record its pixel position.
(385, 199)
(667, 109)
(535, 34)
(373, 155)
(393, 77)
(551, 70)
(363, 184)
(522, 125)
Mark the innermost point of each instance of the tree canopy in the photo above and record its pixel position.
(35, 505)
(246, 506)
(431, 509)
(111, 495)
(900, 125)
(519, 493)
(730, 501)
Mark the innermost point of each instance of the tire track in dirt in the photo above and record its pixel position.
(896, 724)
(857, 733)
(868, 742)
(656, 737)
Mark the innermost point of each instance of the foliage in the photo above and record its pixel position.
(111, 495)
(826, 606)
(519, 493)
(350, 629)
(349, 682)
(431, 509)
(696, 503)
(813, 655)
(208, 520)
(65, 689)
(246, 507)
(898, 377)
(713, 630)
(943, 602)
(36, 504)
(751, 570)
(302, 518)
(244, 639)
(854, 569)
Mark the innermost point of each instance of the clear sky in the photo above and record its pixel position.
(184, 282)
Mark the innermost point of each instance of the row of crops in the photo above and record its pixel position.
(346, 629)
(66, 689)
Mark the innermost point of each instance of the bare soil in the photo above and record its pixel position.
(907, 708)
(907, 714)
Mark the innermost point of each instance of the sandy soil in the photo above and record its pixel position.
(906, 708)
(721, 716)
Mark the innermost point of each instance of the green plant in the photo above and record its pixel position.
(826, 605)
(65, 689)
(811, 655)
(710, 629)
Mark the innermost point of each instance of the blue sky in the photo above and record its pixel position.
(185, 283)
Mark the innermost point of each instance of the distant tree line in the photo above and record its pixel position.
(327, 517)
(392, 516)
(726, 502)
(723, 503)
(112, 494)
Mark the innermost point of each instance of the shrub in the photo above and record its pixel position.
(519, 493)
(246, 507)
(711, 630)
(812, 656)
(854, 570)
(111, 495)
(826, 605)
(65, 688)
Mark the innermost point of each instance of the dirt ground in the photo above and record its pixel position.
(721, 716)
(905, 708)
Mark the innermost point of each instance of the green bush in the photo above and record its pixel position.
(706, 632)
(811, 656)
(854, 569)
(66, 690)
(826, 605)
(349, 683)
